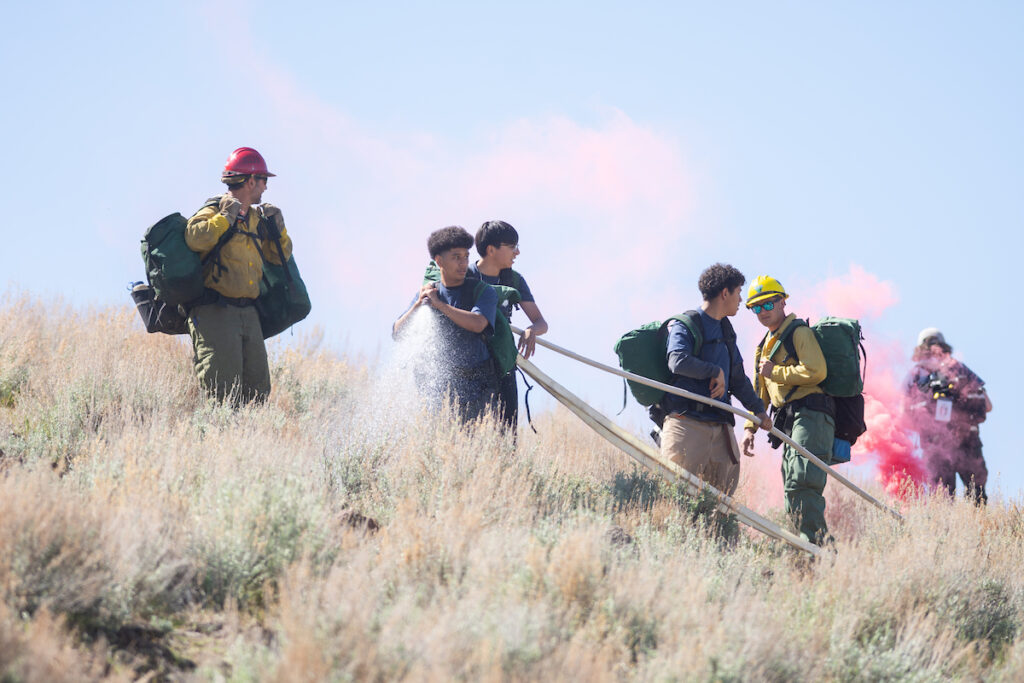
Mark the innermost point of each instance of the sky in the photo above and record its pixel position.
(867, 155)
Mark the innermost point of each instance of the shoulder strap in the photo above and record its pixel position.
(510, 278)
(273, 233)
(787, 338)
(692, 321)
(758, 353)
(728, 333)
(478, 289)
(790, 346)
(214, 254)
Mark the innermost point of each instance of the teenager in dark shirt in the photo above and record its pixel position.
(696, 436)
(497, 242)
(459, 361)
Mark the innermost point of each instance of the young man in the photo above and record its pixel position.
(694, 435)
(233, 233)
(945, 402)
(465, 309)
(803, 411)
(497, 242)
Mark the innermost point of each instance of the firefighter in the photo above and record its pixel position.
(234, 233)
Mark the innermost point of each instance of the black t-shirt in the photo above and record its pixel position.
(505, 276)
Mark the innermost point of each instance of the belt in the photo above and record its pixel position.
(240, 302)
(820, 402)
(212, 296)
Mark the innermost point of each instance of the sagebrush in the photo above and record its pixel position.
(342, 532)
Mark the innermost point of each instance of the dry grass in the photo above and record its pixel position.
(147, 532)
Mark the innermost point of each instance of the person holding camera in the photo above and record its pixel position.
(234, 233)
(944, 401)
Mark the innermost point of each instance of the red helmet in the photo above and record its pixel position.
(246, 161)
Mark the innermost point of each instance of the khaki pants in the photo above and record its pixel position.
(707, 449)
(229, 350)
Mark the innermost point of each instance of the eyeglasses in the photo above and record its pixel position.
(513, 246)
(767, 306)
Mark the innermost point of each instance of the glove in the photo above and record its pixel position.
(229, 208)
(275, 220)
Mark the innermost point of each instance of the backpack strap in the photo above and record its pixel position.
(729, 337)
(526, 397)
(790, 346)
(692, 321)
(510, 278)
(787, 339)
(272, 233)
(728, 333)
(478, 289)
(757, 363)
(214, 254)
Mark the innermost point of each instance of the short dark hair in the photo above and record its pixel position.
(452, 237)
(495, 234)
(718, 277)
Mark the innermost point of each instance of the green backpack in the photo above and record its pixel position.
(642, 351)
(842, 344)
(283, 299)
(174, 271)
(501, 344)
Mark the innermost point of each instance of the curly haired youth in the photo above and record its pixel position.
(718, 277)
(452, 237)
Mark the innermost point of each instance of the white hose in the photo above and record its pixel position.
(652, 459)
(724, 406)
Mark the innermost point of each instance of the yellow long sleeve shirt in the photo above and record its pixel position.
(801, 375)
(240, 256)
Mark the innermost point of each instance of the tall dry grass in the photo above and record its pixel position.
(148, 532)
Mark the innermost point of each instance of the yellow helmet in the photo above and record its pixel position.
(764, 287)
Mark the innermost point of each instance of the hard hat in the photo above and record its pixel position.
(763, 288)
(245, 161)
(930, 333)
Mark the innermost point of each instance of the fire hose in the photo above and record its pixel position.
(651, 458)
(723, 406)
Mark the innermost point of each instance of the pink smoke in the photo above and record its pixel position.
(887, 442)
(857, 294)
(887, 439)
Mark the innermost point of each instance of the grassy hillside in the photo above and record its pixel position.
(339, 533)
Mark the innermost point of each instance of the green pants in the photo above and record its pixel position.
(229, 351)
(802, 480)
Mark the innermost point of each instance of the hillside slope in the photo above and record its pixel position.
(339, 532)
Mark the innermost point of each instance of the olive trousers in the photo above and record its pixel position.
(230, 357)
(802, 480)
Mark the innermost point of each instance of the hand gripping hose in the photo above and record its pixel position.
(724, 406)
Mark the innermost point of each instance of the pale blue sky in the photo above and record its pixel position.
(631, 146)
